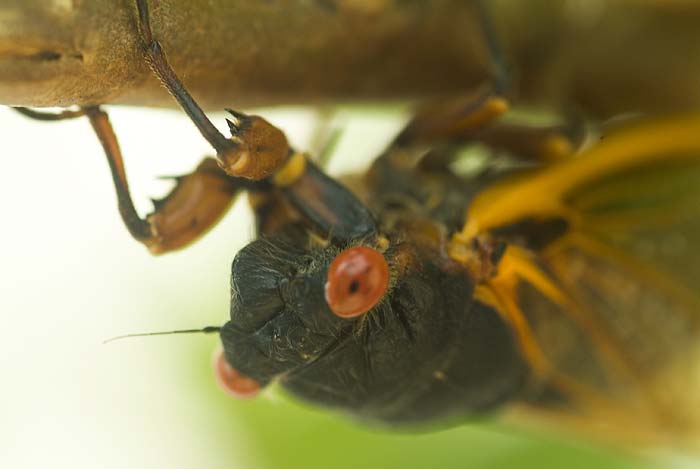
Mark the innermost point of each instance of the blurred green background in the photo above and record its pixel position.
(72, 277)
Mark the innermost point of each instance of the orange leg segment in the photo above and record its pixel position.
(198, 201)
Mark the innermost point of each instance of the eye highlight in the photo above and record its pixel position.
(357, 280)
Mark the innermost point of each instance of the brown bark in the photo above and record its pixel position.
(614, 56)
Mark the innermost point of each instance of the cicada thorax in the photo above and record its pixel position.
(404, 361)
(423, 352)
(429, 351)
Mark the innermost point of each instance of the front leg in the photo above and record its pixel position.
(194, 206)
(256, 148)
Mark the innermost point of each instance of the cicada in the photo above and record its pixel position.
(566, 288)
(563, 284)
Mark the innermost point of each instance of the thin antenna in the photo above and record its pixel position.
(205, 330)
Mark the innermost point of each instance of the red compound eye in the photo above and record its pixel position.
(357, 280)
(233, 381)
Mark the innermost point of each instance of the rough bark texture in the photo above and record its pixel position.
(602, 57)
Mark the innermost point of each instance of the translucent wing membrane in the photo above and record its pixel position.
(608, 311)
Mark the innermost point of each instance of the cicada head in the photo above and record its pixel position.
(366, 328)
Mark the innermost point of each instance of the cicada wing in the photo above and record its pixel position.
(607, 311)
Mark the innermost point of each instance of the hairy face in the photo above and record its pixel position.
(379, 364)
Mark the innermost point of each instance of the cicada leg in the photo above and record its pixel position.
(541, 144)
(197, 202)
(451, 118)
(50, 116)
(194, 206)
(256, 148)
(474, 117)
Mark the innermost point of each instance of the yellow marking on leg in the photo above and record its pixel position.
(556, 148)
(493, 107)
(290, 171)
